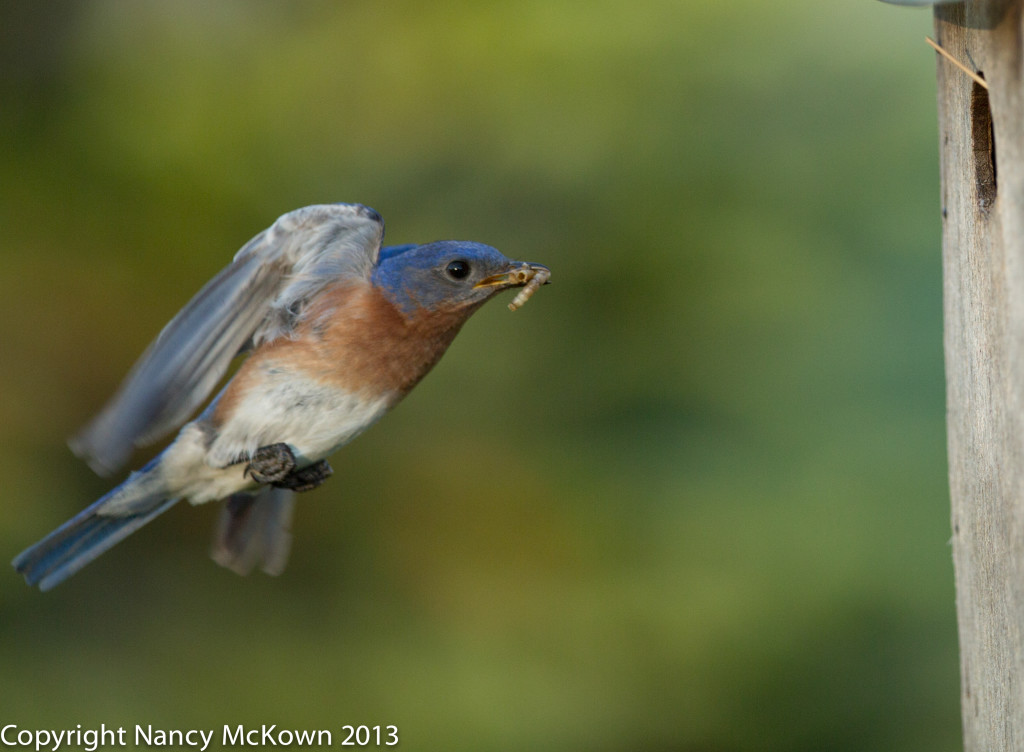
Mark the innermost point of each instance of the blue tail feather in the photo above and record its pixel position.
(82, 538)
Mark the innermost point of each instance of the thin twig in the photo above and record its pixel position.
(978, 79)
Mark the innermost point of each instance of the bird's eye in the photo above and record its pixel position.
(457, 269)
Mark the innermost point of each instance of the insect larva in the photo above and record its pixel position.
(531, 278)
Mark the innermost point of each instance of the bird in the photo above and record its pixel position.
(335, 330)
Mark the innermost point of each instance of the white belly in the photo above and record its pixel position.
(313, 419)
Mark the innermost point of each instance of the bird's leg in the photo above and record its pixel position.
(271, 464)
(306, 478)
(275, 465)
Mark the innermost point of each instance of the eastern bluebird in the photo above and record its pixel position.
(337, 331)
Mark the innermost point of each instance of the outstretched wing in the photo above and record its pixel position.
(255, 529)
(255, 299)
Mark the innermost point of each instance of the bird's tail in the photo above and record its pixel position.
(95, 529)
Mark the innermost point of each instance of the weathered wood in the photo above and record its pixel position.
(981, 135)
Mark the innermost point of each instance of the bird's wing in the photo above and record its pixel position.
(255, 529)
(255, 299)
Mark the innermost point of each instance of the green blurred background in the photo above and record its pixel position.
(692, 497)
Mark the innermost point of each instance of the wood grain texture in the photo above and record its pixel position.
(981, 138)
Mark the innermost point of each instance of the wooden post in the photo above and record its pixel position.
(981, 136)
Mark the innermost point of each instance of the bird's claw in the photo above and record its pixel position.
(275, 465)
(271, 464)
(306, 478)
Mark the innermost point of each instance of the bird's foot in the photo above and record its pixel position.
(275, 465)
(306, 478)
(271, 464)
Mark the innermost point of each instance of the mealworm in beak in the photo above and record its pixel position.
(534, 278)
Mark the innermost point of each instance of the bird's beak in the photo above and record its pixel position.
(528, 276)
(517, 275)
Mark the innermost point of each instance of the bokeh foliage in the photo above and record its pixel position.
(691, 497)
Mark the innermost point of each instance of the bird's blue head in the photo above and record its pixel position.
(450, 275)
